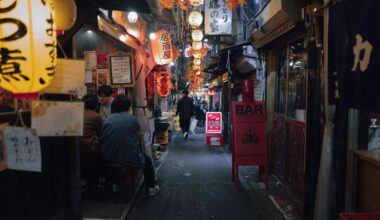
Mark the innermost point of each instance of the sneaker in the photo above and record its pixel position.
(185, 135)
(154, 190)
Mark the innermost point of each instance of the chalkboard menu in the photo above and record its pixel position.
(121, 70)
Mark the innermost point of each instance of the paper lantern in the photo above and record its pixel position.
(163, 83)
(132, 17)
(196, 2)
(28, 45)
(197, 35)
(197, 54)
(197, 45)
(65, 13)
(195, 19)
(197, 62)
(162, 48)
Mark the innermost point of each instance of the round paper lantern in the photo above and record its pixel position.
(197, 54)
(197, 62)
(195, 18)
(65, 13)
(132, 17)
(162, 48)
(197, 35)
(28, 46)
(196, 2)
(197, 45)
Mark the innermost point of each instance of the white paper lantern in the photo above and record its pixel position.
(196, 2)
(197, 45)
(195, 19)
(197, 35)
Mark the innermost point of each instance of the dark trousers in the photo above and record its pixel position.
(149, 174)
(185, 124)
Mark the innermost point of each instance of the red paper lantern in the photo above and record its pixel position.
(163, 83)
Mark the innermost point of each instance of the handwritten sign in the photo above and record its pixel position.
(218, 18)
(69, 77)
(3, 153)
(121, 70)
(51, 118)
(23, 149)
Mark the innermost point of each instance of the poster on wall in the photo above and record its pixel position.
(102, 77)
(52, 118)
(23, 149)
(102, 61)
(218, 18)
(90, 59)
(121, 70)
(69, 78)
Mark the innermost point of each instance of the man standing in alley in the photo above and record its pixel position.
(185, 109)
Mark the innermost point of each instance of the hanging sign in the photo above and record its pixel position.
(218, 18)
(23, 149)
(28, 45)
(163, 83)
(162, 48)
(354, 63)
(214, 122)
(249, 137)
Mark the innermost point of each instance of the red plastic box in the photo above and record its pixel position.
(359, 216)
(214, 140)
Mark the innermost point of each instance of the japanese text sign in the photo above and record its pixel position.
(27, 45)
(23, 149)
(218, 19)
(249, 131)
(214, 122)
(121, 70)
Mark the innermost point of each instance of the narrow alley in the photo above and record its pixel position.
(195, 182)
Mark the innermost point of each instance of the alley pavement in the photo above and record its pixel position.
(195, 182)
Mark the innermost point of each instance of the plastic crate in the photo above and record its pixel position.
(359, 216)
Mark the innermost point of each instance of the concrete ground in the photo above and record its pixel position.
(195, 182)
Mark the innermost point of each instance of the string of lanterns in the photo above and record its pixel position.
(185, 4)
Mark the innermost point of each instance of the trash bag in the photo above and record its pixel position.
(193, 124)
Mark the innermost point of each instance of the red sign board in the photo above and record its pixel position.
(214, 140)
(214, 122)
(163, 83)
(249, 137)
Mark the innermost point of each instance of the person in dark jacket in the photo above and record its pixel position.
(185, 110)
(122, 141)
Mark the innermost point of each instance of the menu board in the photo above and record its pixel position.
(52, 118)
(69, 77)
(23, 149)
(121, 70)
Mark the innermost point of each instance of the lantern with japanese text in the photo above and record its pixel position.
(65, 13)
(195, 19)
(197, 45)
(28, 45)
(162, 48)
(197, 35)
(196, 2)
(163, 83)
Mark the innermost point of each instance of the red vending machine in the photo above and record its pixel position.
(214, 136)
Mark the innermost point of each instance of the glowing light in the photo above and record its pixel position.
(197, 35)
(152, 36)
(195, 18)
(123, 38)
(132, 17)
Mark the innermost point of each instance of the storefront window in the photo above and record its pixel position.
(296, 81)
(281, 90)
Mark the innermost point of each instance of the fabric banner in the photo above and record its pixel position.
(218, 19)
(354, 52)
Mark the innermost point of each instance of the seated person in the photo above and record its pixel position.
(105, 100)
(122, 141)
(89, 142)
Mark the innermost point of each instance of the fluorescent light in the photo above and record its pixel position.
(205, 40)
(89, 32)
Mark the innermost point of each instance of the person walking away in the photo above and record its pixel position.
(105, 100)
(89, 142)
(122, 141)
(185, 110)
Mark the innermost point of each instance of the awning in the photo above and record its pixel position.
(241, 58)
